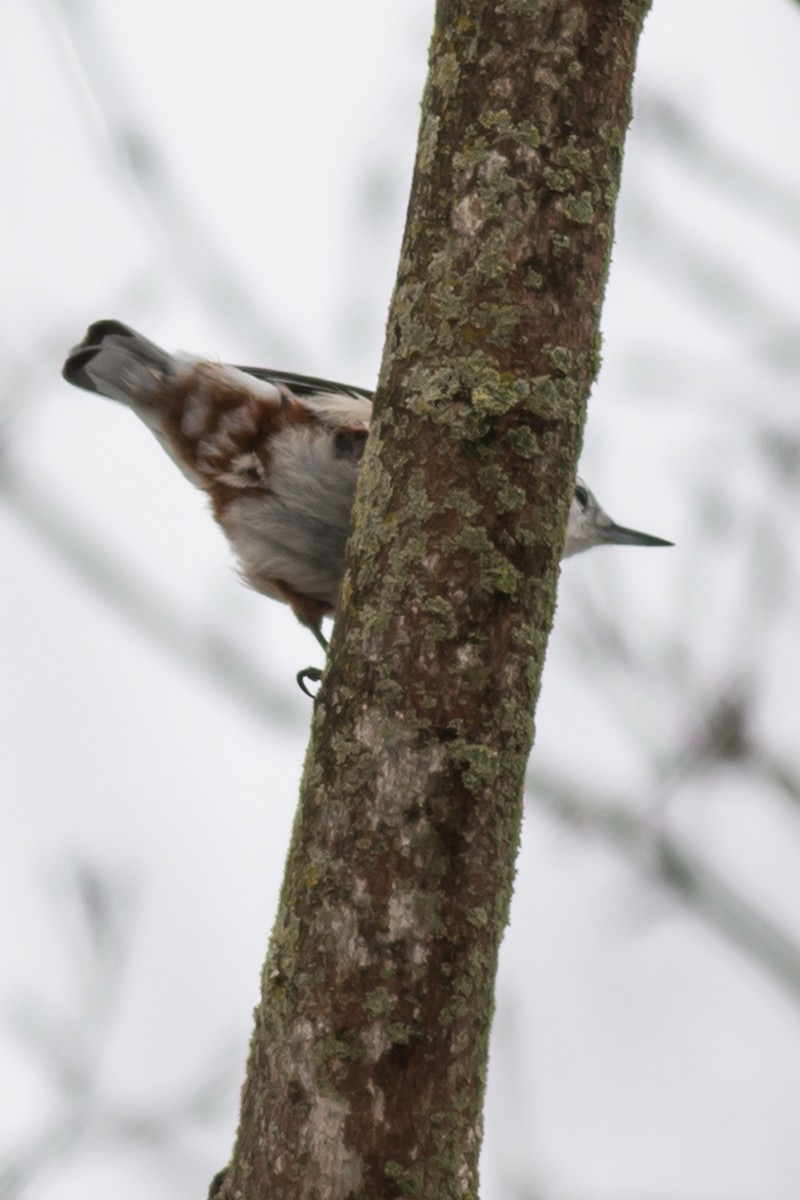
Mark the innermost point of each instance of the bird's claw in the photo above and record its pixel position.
(312, 673)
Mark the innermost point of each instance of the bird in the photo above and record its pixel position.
(277, 455)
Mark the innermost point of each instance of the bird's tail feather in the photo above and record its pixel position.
(118, 363)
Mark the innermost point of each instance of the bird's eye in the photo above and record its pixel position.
(581, 495)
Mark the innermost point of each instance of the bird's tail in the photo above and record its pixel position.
(118, 362)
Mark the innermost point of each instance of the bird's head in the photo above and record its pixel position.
(589, 526)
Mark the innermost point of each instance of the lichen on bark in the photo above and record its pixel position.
(368, 1057)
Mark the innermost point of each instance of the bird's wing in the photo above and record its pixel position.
(305, 386)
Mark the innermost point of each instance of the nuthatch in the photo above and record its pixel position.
(277, 455)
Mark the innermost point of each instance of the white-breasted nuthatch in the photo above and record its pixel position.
(277, 455)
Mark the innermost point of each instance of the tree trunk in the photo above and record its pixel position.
(368, 1059)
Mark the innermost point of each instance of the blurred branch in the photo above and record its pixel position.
(720, 735)
(771, 335)
(670, 667)
(663, 857)
(123, 142)
(661, 118)
(210, 654)
(29, 369)
(779, 772)
(723, 733)
(97, 911)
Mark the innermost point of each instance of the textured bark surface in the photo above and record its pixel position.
(368, 1058)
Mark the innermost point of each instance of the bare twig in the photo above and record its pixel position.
(95, 910)
(665, 858)
(123, 142)
(210, 653)
(705, 156)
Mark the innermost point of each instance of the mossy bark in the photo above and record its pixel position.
(368, 1059)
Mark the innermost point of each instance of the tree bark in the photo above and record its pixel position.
(368, 1058)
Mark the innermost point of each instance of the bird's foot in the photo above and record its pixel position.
(312, 673)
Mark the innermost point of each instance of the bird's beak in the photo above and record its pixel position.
(618, 535)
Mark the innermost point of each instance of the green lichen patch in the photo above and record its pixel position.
(495, 573)
(478, 917)
(504, 125)
(479, 765)
(406, 1181)
(444, 625)
(500, 322)
(562, 360)
(524, 442)
(379, 1002)
(506, 495)
(428, 142)
(579, 209)
(445, 73)
(558, 179)
(399, 1033)
(573, 156)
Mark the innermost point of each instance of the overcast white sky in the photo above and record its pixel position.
(232, 179)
